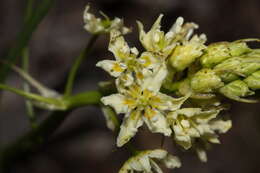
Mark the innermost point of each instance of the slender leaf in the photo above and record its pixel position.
(25, 35)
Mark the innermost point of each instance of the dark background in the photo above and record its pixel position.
(83, 143)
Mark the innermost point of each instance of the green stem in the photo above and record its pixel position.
(82, 99)
(77, 63)
(29, 10)
(26, 87)
(58, 103)
(25, 67)
(36, 137)
(25, 35)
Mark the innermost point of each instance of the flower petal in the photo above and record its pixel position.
(221, 126)
(165, 102)
(129, 127)
(155, 167)
(114, 68)
(154, 81)
(201, 154)
(157, 154)
(117, 101)
(171, 161)
(150, 39)
(107, 111)
(156, 122)
(118, 46)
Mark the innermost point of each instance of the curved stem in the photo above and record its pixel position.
(36, 137)
(77, 63)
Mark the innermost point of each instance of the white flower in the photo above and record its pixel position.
(157, 41)
(187, 52)
(190, 123)
(96, 25)
(127, 67)
(125, 59)
(145, 162)
(142, 105)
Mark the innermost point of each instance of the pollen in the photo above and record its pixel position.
(117, 68)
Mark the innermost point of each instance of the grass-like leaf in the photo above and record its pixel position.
(25, 35)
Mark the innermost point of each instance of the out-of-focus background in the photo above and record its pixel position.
(83, 143)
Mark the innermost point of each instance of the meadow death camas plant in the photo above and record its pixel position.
(176, 86)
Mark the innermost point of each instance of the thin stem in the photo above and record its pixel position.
(25, 35)
(77, 63)
(25, 67)
(58, 103)
(29, 10)
(36, 137)
(26, 87)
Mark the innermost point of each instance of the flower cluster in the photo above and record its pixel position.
(140, 77)
(173, 86)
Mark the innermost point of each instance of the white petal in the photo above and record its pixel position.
(221, 126)
(155, 167)
(126, 79)
(189, 112)
(158, 154)
(157, 122)
(150, 60)
(117, 101)
(114, 68)
(177, 26)
(171, 161)
(144, 161)
(118, 46)
(154, 82)
(202, 154)
(109, 122)
(135, 165)
(149, 39)
(165, 102)
(182, 138)
(129, 127)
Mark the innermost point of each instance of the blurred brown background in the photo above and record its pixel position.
(83, 143)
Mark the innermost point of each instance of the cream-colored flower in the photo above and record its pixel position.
(145, 162)
(142, 105)
(190, 123)
(96, 25)
(127, 67)
(125, 58)
(187, 52)
(163, 44)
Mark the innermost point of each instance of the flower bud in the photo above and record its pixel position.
(238, 66)
(218, 52)
(205, 81)
(253, 81)
(184, 55)
(215, 53)
(237, 89)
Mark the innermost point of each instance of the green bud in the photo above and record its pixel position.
(238, 48)
(230, 69)
(205, 81)
(218, 52)
(215, 53)
(253, 81)
(237, 89)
